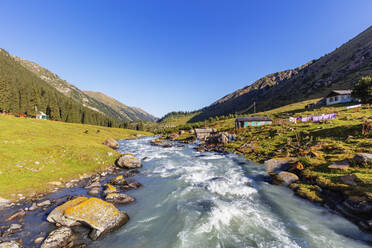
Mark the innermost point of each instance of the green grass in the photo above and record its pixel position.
(178, 120)
(35, 152)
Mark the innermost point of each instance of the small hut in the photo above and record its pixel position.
(203, 133)
(339, 96)
(42, 116)
(254, 121)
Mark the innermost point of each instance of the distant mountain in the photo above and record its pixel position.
(340, 69)
(131, 113)
(102, 104)
(21, 91)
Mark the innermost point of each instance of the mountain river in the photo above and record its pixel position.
(201, 200)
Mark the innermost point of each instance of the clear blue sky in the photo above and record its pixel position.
(175, 54)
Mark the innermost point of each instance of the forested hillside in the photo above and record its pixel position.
(111, 108)
(340, 69)
(21, 91)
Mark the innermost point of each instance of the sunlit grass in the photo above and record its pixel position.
(35, 152)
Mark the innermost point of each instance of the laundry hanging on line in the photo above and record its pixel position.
(322, 117)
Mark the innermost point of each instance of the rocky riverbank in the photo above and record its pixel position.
(346, 196)
(73, 216)
(342, 197)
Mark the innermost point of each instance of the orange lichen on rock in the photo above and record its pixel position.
(110, 187)
(100, 215)
(57, 214)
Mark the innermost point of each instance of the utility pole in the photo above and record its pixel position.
(254, 106)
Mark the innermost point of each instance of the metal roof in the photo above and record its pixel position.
(204, 130)
(253, 118)
(340, 92)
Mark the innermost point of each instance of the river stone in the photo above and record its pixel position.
(110, 189)
(94, 191)
(161, 143)
(119, 180)
(93, 183)
(287, 177)
(4, 203)
(38, 240)
(363, 158)
(57, 215)
(118, 198)
(18, 214)
(111, 143)
(11, 244)
(128, 161)
(33, 207)
(276, 165)
(44, 203)
(14, 228)
(135, 185)
(101, 216)
(62, 237)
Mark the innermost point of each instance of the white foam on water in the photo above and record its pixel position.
(215, 202)
(148, 219)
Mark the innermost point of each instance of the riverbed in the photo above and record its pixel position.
(198, 200)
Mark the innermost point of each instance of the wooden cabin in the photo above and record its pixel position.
(254, 121)
(203, 133)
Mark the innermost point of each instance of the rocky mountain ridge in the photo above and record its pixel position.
(340, 69)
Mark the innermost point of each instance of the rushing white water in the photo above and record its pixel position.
(192, 199)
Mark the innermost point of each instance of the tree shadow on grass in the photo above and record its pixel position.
(338, 133)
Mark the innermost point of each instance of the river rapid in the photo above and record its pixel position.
(201, 200)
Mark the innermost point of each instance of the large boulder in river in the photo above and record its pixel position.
(276, 165)
(57, 215)
(101, 216)
(62, 237)
(287, 178)
(111, 143)
(128, 161)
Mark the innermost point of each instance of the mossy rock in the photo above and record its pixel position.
(110, 189)
(309, 192)
(100, 215)
(57, 215)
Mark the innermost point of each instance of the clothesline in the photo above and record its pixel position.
(313, 118)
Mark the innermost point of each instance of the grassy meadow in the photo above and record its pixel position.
(35, 153)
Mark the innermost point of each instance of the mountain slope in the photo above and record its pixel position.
(340, 69)
(132, 113)
(21, 91)
(125, 113)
